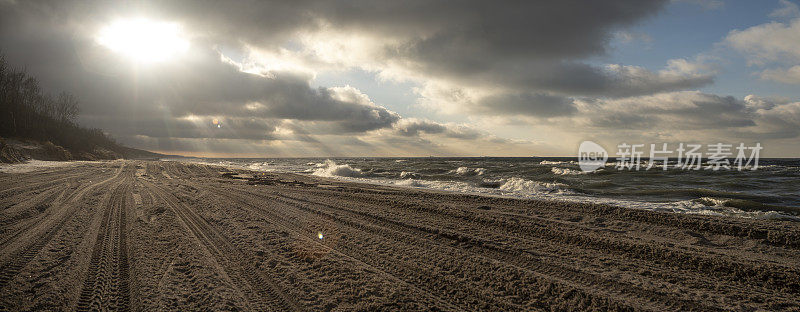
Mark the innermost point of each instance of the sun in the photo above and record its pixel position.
(143, 40)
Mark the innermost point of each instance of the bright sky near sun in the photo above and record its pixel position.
(331, 78)
(144, 40)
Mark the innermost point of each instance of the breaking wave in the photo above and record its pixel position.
(466, 171)
(733, 207)
(770, 192)
(259, 166)
(566, 171)
(519, 185)
(550, 162)
(410, 182)
(408, 175)
(330, 169)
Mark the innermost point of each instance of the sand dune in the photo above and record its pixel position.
(136, 235)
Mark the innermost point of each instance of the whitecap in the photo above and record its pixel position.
(519, 185)
(330, 169)
(552, 162)
(567, 171)
(407, 175)
(466, 171)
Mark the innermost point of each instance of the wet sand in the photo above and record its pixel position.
(136, 235)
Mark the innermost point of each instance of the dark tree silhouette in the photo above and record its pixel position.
(27, 112)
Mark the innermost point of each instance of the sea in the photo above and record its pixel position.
(771, 191)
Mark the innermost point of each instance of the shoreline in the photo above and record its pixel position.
(183, 236)
(778, 214)
(552, 191)
(595, 207)
(32, 166)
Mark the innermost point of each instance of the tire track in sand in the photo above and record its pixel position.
(258, 286)
(714, 282)
(361, 259)
(440, 240)
(20, 178)
(29, 187)
(23, 256)
(772, 277)
(106, 284)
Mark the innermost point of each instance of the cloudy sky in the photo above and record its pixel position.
(417, 78)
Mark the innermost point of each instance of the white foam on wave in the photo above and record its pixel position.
(711, 201)
(409, 182)
(408, 175)
(513, 187)
(568, 171)
(519, 185)
(434, 185)
(552, 162)
(259, 166)
(466, 171)
(717, 206)
(330, 169)
(529, 189)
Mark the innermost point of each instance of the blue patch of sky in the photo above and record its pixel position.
(681, 30)
(685, 30)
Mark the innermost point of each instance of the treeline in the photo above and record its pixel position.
(27, 112)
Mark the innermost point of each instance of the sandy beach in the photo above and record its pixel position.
(160, 236)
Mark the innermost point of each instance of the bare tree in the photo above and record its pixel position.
(28, 112)
(66, 108)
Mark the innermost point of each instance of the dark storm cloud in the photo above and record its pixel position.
(226, 128)
(412, 127)
(438, 31)
(155, 100)
(575, 78)
(684, 113)
(692, 110)
(207, 87)
(528, 56)
(524, 45)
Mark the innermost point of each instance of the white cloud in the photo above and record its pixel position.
(685, 110)
(678, 74)
(497, 100)
(766, 43)
(693, 115)
(789, 75)
(775, 45)
(625, 36)
(754, 102)
(416, 127)
(788, 9)
(506, 62)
